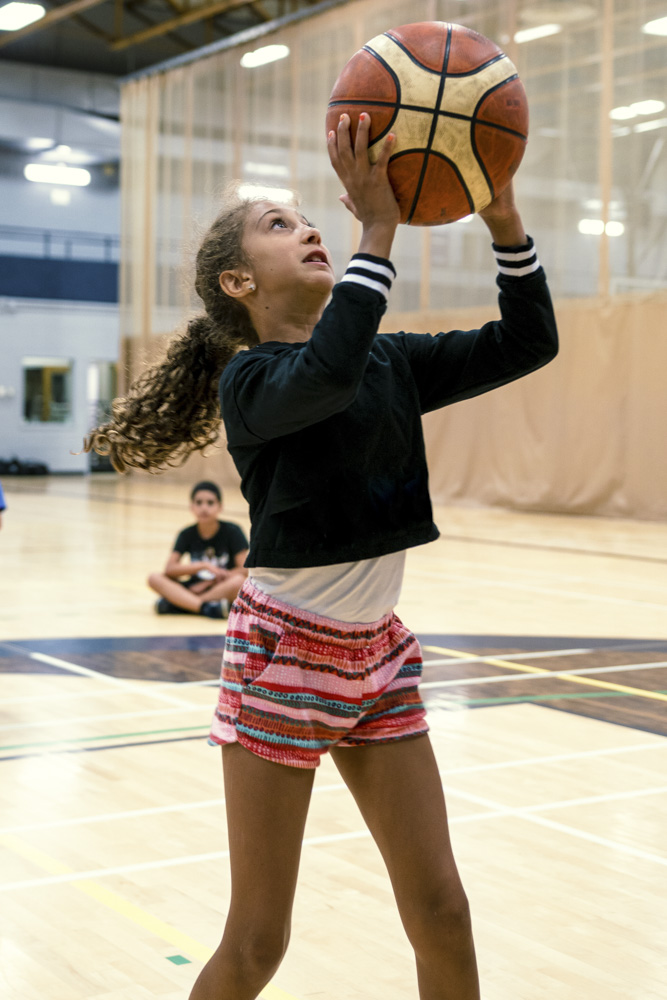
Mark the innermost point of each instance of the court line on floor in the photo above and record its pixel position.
(79, 719)
(571, 677)
(525, 813)
(496, 678)
(544, 760)
(61, 874)
(128, 910)
(138, 813)
(133, 685)
(204, 727)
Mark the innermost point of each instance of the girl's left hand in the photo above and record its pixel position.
(369, 195)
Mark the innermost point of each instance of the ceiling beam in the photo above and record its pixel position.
(53, 16)
(199, 14)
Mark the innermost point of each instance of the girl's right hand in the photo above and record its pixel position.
(368, 193)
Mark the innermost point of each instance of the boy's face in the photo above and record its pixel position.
(205, 505)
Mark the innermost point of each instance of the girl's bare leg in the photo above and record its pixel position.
(226, 589)
(399, 792)
(267, 805)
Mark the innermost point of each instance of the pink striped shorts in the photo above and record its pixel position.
(294, 684)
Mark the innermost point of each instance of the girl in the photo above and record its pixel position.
(322, 418)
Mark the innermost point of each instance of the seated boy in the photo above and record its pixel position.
(209, 582)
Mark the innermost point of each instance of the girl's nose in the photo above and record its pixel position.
(312, 235)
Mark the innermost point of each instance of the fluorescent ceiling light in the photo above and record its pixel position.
(596, 227)
(17, 15)
(260, 191)
(37, 144)
(625, 112)
(267, 169)
(657, 27)
(649, 126)
(267, 54)
(648, 107)
(60, 196)
(614, 228)
(541, 31)
(56, 173)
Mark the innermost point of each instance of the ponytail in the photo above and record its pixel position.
(172, 409)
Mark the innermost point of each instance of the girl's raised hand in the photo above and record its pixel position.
(368, 193)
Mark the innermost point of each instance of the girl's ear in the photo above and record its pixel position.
(236, 284)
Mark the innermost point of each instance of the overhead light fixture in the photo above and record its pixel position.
(650, 126)
(14, 16)
(657, 27)
(648, 107)
(267, 169)
(540, 31)
(56, 173)
(596, 227)
(60, 196)
(256, 192)
(267, 54)
(651, 107)
(37, 144)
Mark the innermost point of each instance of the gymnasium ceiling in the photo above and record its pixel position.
(122, 36)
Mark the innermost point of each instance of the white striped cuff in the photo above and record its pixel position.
(516, 262)
(371, 272)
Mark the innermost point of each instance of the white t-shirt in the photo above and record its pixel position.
(356, 592)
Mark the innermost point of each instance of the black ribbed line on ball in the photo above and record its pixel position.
(434, 125)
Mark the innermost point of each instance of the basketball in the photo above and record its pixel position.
(456, 106)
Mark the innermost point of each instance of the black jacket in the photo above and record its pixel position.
(327, 435)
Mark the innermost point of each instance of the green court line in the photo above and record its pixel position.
(109, 736)
(545, 697)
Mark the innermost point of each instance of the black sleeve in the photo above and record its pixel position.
(183, 541)
(268, 394)
(449, 367)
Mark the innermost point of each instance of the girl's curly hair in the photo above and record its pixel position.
(172, 409)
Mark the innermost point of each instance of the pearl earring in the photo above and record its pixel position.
(252, 288)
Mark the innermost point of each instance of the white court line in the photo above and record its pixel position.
(624, 667)
(133, 686)
(104, 718)
(528, 813)
(137, 813)
(340, 786)
(493, 810)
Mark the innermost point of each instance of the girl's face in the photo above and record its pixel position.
(205, 505)
(285, 250)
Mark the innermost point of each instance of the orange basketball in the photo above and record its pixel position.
(458, 110)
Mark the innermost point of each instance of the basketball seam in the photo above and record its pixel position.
(411, 55)
(475, 121)
(457, 115)
(434, 122)
(395, 104)
(452, 163)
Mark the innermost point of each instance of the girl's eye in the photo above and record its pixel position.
(278, 222)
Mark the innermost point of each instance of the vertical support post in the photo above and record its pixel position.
(605, 165)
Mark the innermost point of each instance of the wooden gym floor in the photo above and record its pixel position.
(545, 640)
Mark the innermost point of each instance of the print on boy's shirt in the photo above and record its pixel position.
(220, 550)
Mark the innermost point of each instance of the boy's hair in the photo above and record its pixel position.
(172, 409)
(210, 487)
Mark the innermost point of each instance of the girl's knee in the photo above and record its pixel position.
(260, 950)
(437, 918)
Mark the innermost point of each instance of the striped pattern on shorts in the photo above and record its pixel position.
(294, 684)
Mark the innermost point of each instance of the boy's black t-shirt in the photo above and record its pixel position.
(221, 549)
